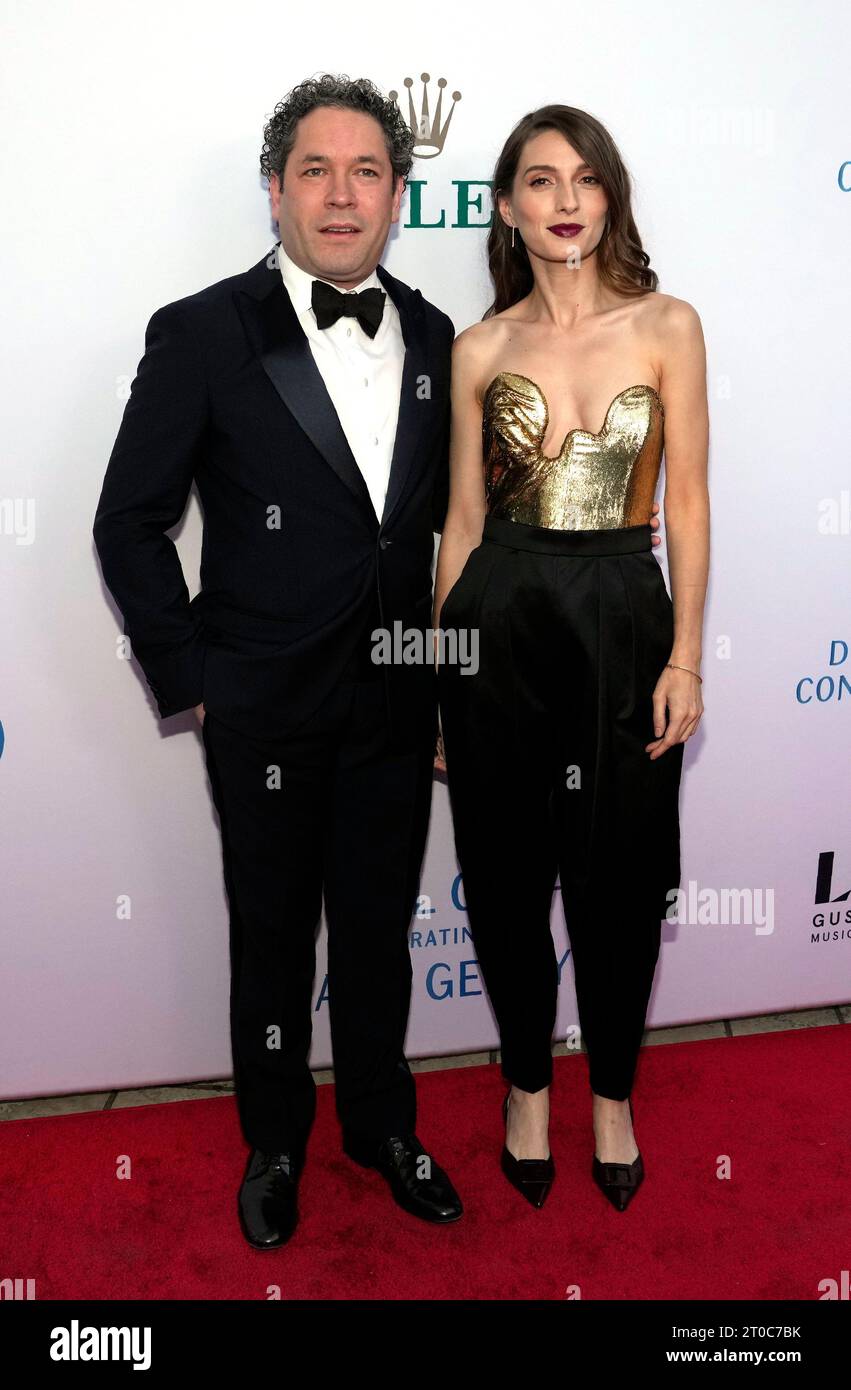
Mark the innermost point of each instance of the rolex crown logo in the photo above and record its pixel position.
(428, 132)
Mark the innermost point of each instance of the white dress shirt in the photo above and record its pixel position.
(363, 375)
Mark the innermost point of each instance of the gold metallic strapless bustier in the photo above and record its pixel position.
(598, 482)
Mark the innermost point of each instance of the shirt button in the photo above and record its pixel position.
(348, 333)
(366, 381)
(375, 440)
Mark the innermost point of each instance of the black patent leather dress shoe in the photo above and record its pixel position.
(418, 1184)
(268, 1207)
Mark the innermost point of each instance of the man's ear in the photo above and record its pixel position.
(401, 185)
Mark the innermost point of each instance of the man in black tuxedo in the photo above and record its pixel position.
(308, 399)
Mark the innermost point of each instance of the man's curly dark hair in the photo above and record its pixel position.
(358, 94)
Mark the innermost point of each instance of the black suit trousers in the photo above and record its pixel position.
(326, 810)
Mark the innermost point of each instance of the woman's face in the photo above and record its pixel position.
(557, 204)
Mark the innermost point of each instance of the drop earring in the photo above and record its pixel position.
(512, 236)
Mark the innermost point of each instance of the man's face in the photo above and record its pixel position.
(337, 174)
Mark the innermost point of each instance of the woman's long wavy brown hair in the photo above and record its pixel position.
(622, 263)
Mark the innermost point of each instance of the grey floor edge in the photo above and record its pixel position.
(39, 1106)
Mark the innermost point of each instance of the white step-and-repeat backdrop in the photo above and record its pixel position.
(130, 176)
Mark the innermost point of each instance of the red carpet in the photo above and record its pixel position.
(776, 1104)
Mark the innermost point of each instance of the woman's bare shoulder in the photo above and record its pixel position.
(676, 342)
(671, 330)
(479, 337)
(667, 314)
(477, 347)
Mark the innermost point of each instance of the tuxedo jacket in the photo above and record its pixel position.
(294, 560)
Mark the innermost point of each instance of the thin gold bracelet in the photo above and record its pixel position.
(675, 667)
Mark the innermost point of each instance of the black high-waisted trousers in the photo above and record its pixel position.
(545, 714)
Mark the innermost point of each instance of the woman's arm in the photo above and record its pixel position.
(465, 515)
(682, 356)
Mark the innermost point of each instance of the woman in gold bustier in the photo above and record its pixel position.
(573, 680)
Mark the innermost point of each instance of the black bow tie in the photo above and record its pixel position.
(367, 306)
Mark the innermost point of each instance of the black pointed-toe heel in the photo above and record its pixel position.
(619, 1182)
(533, 1177)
